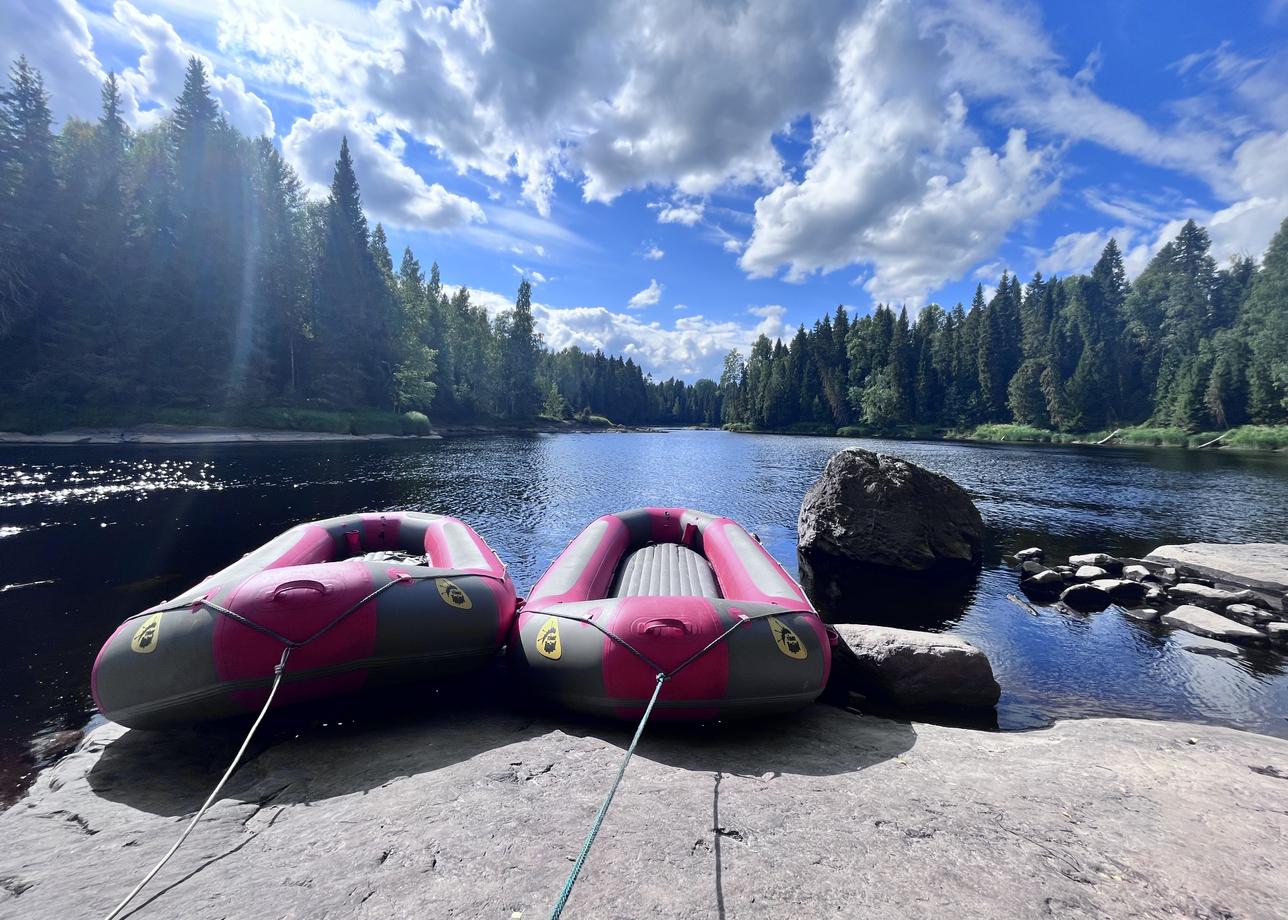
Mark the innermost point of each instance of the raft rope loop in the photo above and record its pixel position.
(278, 672)
(662, 677)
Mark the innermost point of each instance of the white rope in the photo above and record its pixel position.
(214, 793)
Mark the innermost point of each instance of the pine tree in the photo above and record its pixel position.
(520, 347)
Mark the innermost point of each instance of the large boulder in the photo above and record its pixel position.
(880, 511)
(914, 669)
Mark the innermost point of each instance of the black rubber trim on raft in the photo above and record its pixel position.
(258, 683)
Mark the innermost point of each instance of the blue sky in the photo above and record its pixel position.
(677, 177)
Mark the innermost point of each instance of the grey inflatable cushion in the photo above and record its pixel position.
(665, 570)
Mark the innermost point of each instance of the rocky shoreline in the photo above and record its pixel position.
(1235, 593)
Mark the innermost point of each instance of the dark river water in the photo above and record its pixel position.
(89, 535)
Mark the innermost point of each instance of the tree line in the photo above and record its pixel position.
(184, 266)
(1187, 344)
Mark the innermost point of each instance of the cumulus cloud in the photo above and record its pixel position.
(392, 191)
(56, 39)
(153, 84)
(653, 252)
(647, 297)
(889, 182)
(692, 346)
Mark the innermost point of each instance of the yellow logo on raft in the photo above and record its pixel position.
(451, 592)
(145, 637)
(548, 640)
(787, 641)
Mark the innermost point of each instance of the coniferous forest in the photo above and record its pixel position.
(183, 267)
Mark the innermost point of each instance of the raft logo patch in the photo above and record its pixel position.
(787, 641)
(451, 592)
(548, 640)
(145, 637)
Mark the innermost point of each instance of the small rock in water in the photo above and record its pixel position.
(1089, 572)
(1135, 572)
(1167, 576)
(1033, 552)
(1029, 567)
(1121, 590)
(1278, 632)
(1155, 596)
(1144, 614)
(1085, 598)
(1112, 566)
(1044, 585)
(1089, 559)
(1206, 623)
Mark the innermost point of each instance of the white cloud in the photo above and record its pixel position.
(55, 37)
(653, 252)
(893, 178)
(683, 212)
(154, 83)
(535, 277)
(392, 191)
(680, 306)
(693, 346)
(647, 297)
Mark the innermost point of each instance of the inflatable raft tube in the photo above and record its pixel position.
(185, 661)
(669, 581)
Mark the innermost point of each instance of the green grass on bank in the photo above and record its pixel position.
(1247, 437)
(275, 418)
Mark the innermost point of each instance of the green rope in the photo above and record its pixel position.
(603, 809)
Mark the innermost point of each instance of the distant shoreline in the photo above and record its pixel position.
(180, 435)
(1257, 438)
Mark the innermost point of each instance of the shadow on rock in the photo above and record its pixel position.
(311, 754)
(819, 740)
(854, 593)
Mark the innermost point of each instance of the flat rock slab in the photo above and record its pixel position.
(1206, 623)
(1260, 566)
(820, 813)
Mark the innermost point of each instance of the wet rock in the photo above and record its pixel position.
(1135, 572)
(1144, 614)
(1086, 598)
(1122, 590)
(880, 511)
(1260, 566)
(1089, 572)
(1188, 592)
(50, 746)
(1113, 566)
(1249, 613)
(1089, 559)
(1167, 576)
(1204, 622)
(915, 669)
(1044, 585)
(1277, 632)
(1030, 567)
(1155, 597)
(1032, 553)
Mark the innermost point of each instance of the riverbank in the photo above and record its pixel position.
(478, 811)
(1246, 437)
(178, 434)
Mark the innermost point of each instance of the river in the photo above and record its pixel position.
(89, 535)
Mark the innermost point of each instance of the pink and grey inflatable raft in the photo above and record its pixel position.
(642, 592)
(442, 604)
